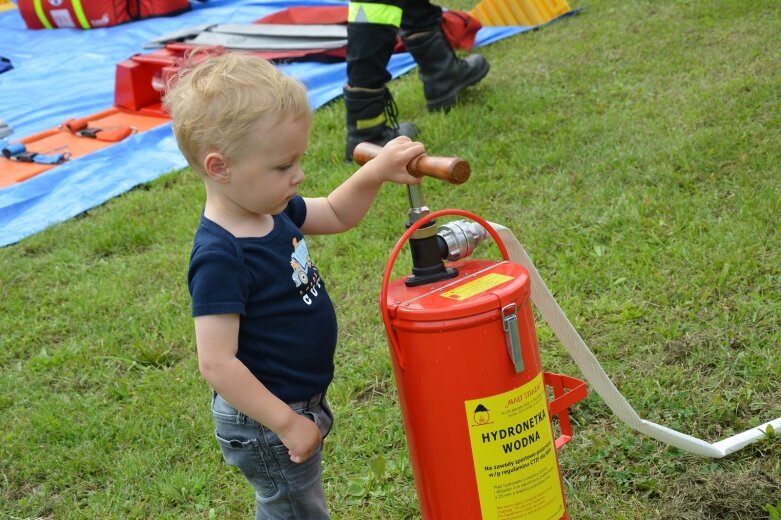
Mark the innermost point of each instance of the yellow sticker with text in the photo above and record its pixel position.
(476, 286)
(514, 456)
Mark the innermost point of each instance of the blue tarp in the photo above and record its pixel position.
(64, 73)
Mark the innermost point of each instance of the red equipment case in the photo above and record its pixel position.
(89, 14)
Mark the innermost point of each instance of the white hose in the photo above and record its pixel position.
(599, 380)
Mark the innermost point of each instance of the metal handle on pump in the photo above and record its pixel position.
(511, 336)
(427, 248)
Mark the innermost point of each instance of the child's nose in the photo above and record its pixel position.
(299, 177)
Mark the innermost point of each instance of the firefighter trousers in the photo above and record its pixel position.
(372, 30)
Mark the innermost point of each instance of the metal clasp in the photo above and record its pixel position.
(511, 336)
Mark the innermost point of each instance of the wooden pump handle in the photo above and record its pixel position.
(450, 169)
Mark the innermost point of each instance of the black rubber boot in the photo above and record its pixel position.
(372, 116)
(443, 73)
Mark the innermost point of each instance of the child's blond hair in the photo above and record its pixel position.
(217, 104)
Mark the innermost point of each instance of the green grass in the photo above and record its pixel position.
(634, 150)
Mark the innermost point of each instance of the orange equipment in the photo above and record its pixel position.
(473, 396)
(75, 138)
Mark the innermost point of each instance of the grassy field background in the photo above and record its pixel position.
(634, 149)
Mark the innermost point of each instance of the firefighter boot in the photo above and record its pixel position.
(372, 116)
(443, 73)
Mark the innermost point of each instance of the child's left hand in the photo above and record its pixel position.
(301, 438)
(344, 207)
(391, 162)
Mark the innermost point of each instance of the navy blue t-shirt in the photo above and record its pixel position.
(287, 331)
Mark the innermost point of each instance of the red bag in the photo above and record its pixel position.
(88, 14)
(140, 9)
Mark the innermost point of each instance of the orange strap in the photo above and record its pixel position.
(110, 134)
(73, 125)
(114, 134)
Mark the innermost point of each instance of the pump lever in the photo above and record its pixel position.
(449, 169)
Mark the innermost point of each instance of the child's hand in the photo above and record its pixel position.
(391, 162)
(302, 438)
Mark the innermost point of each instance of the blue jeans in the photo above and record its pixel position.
(284, 490)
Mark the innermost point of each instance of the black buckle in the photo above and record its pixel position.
(24, 157)
(89, 132)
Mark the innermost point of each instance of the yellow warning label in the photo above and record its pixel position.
(476, 286)
(515, 460)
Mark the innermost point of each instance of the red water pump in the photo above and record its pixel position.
(482, 420)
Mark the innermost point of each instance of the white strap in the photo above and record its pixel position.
(599, 380)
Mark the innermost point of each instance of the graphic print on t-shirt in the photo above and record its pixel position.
(305, 275)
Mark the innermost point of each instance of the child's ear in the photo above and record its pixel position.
(216, 166)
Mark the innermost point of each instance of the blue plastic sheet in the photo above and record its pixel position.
(64, 73)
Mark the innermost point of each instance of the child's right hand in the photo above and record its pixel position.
(301, 438)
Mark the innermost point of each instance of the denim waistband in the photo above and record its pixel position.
(309, 404)
(224, 411)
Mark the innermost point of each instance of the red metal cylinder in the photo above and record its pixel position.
(476, 419)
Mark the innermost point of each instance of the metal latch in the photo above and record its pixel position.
(511, 335)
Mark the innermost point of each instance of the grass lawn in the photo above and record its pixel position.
(634, 149)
